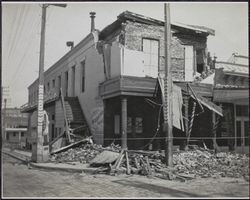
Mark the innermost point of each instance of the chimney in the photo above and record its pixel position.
(92, 16)
(70, 44)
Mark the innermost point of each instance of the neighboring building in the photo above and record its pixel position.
(6, 95)
(109, 77)
(16, 124)
(231, 90)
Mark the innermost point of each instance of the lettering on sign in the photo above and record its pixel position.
(97, 120)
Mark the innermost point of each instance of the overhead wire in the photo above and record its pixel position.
(26, 49)
(34, 26)
(13, 42)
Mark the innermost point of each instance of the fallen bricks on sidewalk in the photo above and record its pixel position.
(197, 162)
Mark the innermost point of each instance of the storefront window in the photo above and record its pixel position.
(241, 111)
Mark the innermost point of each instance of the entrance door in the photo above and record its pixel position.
(242, 133)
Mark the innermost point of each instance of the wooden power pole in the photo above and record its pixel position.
(38, 154)
(168, 112)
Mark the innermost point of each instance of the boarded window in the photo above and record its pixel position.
(83, 75)
(189, 63)
(151, 57)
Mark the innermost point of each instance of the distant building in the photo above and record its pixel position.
(6, 95)
(231, 90)
(16, 124)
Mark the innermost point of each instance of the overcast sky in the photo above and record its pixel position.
(21, 32)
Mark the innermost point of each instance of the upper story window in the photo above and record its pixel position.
(189, 62)
(59, 83)
(48, 87)
(73, 81)
(66, 83)
(150, 48)
(53, 83)
(83, 76)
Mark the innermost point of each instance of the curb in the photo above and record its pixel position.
(53, 168)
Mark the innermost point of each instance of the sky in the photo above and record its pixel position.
(21, 28)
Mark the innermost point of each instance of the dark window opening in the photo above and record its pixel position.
(66, 83)
(73, 81)
(200, 60)
(59, 83)
(48, 87)
(53, 83)
(83, 76)
(241, 111)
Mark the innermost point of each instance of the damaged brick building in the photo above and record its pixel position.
(110, 83)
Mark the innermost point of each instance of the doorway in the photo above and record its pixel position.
(241, 129)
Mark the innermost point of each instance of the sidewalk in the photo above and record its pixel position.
(24, 156)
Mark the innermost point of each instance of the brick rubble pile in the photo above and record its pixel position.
(192, 163)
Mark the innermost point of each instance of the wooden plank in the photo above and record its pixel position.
(127, 161)
(71, 145)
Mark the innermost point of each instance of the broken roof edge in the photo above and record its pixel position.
(134, 16)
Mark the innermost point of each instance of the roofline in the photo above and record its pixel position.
(142, 18)
(68, 54)
(229, 63)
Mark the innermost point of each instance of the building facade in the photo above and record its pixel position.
(112, 75)
(15, 127)
(231, 90)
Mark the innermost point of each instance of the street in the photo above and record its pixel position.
(19, 181)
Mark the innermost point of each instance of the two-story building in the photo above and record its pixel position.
(109, 79)
(15, 127)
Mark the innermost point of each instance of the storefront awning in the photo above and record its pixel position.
(210, 105)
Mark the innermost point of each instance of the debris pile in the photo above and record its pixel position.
(204, 163)
(186, 164)
(189, 164)
(82, 153)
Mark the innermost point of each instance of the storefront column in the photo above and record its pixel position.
(124, 122)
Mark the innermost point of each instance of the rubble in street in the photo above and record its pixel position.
(188, 164)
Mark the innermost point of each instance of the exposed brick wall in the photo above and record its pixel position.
(134, 32)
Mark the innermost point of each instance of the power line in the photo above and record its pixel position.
(34, 28)
(24, 19)
(15, 35)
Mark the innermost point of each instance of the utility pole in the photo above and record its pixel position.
(38, 154)
(168, 112)
(4, 121)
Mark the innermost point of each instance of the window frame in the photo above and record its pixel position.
(158, 52)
